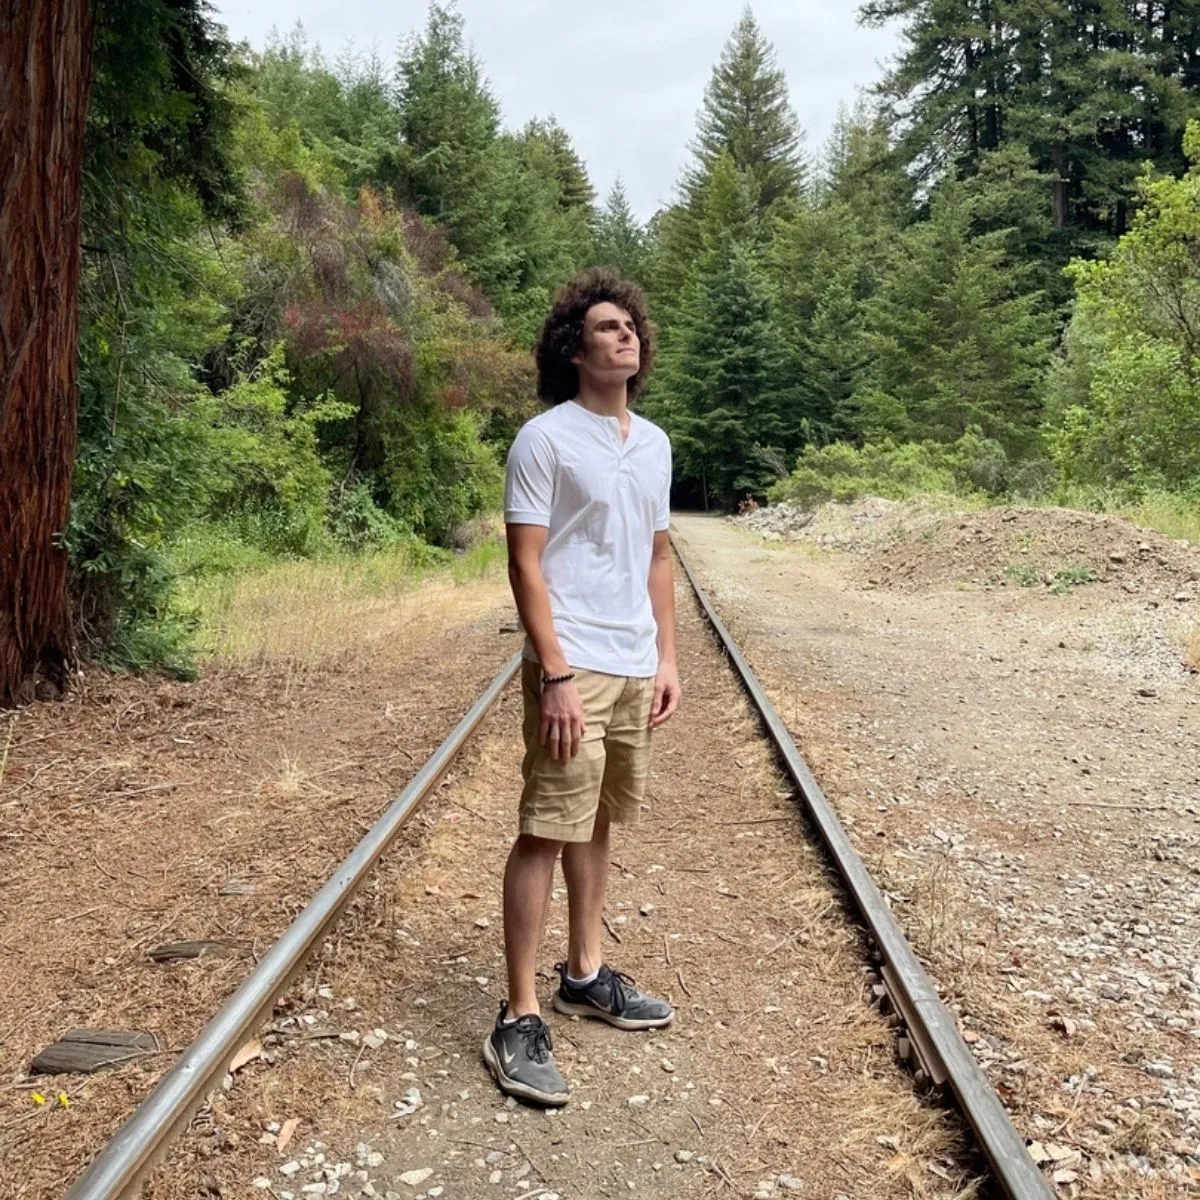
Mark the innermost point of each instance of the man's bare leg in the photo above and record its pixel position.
(527, 882)
(585, 868)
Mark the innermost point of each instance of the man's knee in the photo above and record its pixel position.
(529, 845)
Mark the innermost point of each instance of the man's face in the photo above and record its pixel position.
(611, 350)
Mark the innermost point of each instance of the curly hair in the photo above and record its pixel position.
(561, 338)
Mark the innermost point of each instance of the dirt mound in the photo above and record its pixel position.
(1057, 548)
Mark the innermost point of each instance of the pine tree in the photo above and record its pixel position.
(620, 240)
(450, 123)
(576, 189)
(822, 269)
(747, 114)
(1090, 90)
(956, 343)
(723, 385)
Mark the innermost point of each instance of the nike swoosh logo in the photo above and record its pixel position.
(509, 1059)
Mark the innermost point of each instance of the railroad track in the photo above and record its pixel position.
(928, 1032)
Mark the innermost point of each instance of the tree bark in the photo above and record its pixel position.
(45, 79)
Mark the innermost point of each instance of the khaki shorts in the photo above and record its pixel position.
(560, 799)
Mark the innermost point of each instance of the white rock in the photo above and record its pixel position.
(638, 1101)
(415, 1178)
(495, 1177)
(289, 1168)
(262, 1183)
(684, 1156)
(375, 1159)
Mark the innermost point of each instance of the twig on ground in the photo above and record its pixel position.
(667, 951)
(720, 1170)
(12, 728)
(616, 935)
(102, 871)
(529, 1159)
(761, 820)
(1122, 807)
(687, 991)
(468, 808)
(354, 1065)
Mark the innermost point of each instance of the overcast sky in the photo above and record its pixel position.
(625, 78)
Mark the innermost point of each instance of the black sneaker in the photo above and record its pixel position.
(522, 1060)
(611, 997)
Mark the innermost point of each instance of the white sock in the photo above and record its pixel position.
(586, 981)
(506, 1021)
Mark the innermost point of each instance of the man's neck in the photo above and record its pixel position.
(604, 400)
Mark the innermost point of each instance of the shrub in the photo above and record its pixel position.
(841, 471)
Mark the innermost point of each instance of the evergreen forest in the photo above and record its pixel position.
(310, 280)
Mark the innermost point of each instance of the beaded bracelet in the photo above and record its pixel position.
(548, 679)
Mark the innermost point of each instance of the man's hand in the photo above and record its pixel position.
(667, 694)
(561, 728)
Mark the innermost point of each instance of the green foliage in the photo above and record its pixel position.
(1125, 396)
(895, 470)
(1089, 91)
(437, 472)
(720, 392)
(621, 242)
(309, 288)
(747, 115)
(267, 480)
(955, 340)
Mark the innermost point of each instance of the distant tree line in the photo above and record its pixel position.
(264, 303)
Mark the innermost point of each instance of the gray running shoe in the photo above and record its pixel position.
(522, 1060)
(611, 997)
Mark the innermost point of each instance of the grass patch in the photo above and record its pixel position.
(310, 611)
(1022, 574)
(479, 561)
(1173, 516)
(1071, 577)
(1167, 513)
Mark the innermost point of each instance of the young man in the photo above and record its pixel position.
(586, 510)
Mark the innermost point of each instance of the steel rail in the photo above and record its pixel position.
(123, 1162)
(1012, 1166)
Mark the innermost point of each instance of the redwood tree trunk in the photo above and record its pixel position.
(45, 77)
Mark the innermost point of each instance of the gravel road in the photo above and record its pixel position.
(1025, 782)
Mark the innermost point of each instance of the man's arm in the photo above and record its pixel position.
(667, 691)
(561, 728)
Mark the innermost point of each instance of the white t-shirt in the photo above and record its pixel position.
(601, 500)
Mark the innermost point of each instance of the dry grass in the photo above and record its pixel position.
(1191, 650)
(314, 612)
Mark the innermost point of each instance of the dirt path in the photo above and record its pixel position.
(1028, 796)
(140, 812)
(777, 1075)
